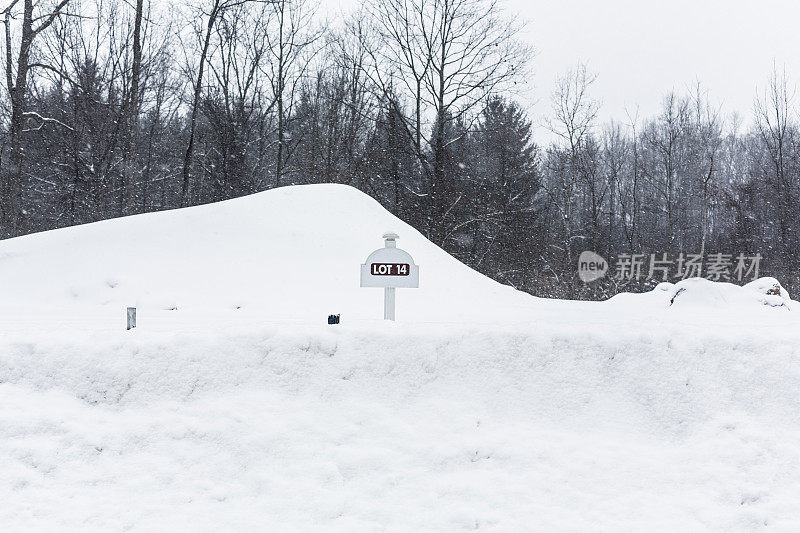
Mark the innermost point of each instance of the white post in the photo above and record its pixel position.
(388, 292)
(388, 303)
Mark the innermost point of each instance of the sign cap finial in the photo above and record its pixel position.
(391, 239)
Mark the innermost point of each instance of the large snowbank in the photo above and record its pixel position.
(482, 408)
(402, 428)
(290, 253)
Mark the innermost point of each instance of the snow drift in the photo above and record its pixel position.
(234, 407)
(290, 253)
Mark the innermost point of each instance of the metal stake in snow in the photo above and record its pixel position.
(131, 318)
(390, 268)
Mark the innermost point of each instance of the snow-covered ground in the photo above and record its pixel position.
(234, 406)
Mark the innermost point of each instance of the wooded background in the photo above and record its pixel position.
(120, 107)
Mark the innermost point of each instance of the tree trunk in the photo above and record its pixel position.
(12, 208)
(198, 89)
(279, 155)
(132, 135)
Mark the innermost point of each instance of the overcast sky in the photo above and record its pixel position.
(641, 49)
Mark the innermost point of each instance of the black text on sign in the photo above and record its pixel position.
(389, 269)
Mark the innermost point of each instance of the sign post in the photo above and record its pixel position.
(388, 303)
(390, 268)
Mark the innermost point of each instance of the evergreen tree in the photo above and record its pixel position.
(505, 183)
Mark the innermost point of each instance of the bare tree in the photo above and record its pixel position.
(210, 13)
(629, 200)
(708, 126)
(773, 112)
(36, 17)
(290, 34)
(666, 136)
(575, 113)
(449, 55)
(132, 112)
(405, 30)
(574, 110)
(615, 154)
(237, 102)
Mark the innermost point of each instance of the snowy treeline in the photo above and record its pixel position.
(115, 108)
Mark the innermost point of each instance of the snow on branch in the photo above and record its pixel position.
(43, 120)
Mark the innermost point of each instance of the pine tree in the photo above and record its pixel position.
(506, 182)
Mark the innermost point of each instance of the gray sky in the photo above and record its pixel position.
(641, 49)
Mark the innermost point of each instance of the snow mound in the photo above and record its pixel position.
(773, 294)
(289, 253)
(705, 294)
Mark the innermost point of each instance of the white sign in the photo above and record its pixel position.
(390, 268)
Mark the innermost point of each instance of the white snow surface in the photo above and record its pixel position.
(235, 407)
